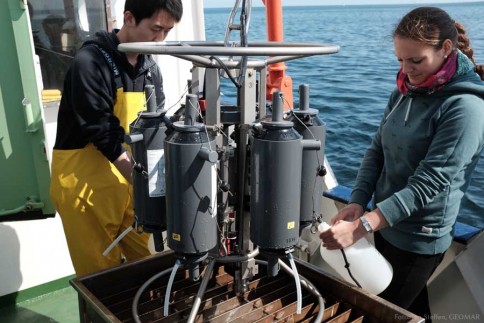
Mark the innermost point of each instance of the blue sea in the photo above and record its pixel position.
(351, 88)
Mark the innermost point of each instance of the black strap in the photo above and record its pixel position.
(151, 77)
(347, 266)
(114, 68)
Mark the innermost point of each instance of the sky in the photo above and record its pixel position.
(230, 3)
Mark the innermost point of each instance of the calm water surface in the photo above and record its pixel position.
(350, 89)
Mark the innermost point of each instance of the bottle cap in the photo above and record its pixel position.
(323, 226)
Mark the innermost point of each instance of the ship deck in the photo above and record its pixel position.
(55, 306)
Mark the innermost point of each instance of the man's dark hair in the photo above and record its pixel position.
(142, 9)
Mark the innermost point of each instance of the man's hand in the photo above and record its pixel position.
(125, 166)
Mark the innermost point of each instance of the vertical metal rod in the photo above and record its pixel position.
(277, 106)
(150, 97)
(262, 92)
(201, 291)
(243, 217)
(304, 97)
(212, 96)
(191, 110)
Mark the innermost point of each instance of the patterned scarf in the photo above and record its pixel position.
(434, 82)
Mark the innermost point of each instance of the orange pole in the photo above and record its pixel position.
(276, 79)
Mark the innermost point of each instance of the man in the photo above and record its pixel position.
(91, 169)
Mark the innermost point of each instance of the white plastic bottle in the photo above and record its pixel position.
(372, 271)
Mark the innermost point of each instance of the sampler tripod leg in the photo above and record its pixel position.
(201, 291)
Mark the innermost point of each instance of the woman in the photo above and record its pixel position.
(419, 163)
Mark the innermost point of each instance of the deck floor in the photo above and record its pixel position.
(58, 306)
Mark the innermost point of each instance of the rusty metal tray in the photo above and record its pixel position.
(107, 296)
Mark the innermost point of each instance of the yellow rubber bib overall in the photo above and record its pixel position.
(95, 201)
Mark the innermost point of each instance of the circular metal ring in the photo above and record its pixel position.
(217, 48)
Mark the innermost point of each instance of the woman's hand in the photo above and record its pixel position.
(342, 234)
(350, 212)
(346, 229)
(343, 231)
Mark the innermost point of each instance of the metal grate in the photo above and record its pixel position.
(108, 297)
